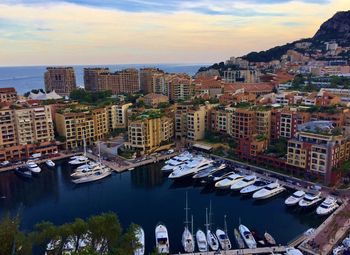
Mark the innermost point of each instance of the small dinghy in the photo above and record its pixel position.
(269, 239)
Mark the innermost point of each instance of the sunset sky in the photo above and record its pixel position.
(44, 32)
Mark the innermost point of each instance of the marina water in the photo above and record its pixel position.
(145, 196)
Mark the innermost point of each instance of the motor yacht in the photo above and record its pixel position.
(23, 172)
(89, 165)
(223, 239)
(176, 161)
(192, 166)
(33, 167)
(87, 172)
(50, 163)
(246, 181)
(247, 237)
(228, 181)
(327, 206)
(310, 200)
(220, 175)
(201, 241)
(162, 239)
(140, 237)
(79, 160)
(52, 246)
(210, 170)
(258, 185)
(270, 190)
(294, 198)
(239, 239)
(212, 241)
(97, 175)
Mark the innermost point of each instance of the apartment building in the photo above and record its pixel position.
(149, 78)
(219, 120)
(242, 123)
(25, 131)
(96, 79)
(8, 95)
(101, 79)
(263, 123)
(179, 86)
(153, 99)
(60, 79)
(316, 149)
(146, 134)
(118, 116)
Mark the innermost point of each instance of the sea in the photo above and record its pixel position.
(146, 196)
(26, 78)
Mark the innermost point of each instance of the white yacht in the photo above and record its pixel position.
(87, 172)
(201, 241)
(89, 165)
(97, 175)
(212, 241)
(162, 239)
(224, 241)
(310, 200)
(270, 190)
(176, 161)
(79, 160)
(33, 167)
(220, 176)
(52, 245)
(191, 167)
(246, 181)
(50, 163)
(210, 170)
(258, 185)
(327, 206)
(247, 236)
(294, 198)
(228, 181)
(140, 236)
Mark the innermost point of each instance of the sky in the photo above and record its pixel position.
(69, 32)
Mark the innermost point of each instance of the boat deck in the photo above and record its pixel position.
(264, 250)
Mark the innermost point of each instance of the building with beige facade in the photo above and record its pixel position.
(179, 86)
(148, 80)
(153, 99)
(146, 134)
(60, 79)
(118, 116)
(26, 130)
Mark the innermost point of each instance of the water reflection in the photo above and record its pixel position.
(147, 176)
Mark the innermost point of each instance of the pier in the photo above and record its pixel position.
(264, 250)
(329, 233)
(127, 165)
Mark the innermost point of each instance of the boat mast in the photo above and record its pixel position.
(84, 143)
(186, 210)
(192, 224)
(99, 152)
(225, 228)
(206, 224)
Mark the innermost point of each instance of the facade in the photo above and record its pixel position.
(101, 79)
(25, 131)
(8, 95)
(147, 134)
(179, 86)
(317, 150)
(60, 79)
(118, 116)
(148, 80)
(242, 123)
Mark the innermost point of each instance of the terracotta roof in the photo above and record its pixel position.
(248, 87)
(7, 90)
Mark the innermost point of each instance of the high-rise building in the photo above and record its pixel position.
(179, 86)
(242, 123)
(117, 116)
(147, 81)
(26, 130)
(101, 79)
(60, 79)
(95, 79)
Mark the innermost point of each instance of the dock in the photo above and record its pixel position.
(329, 233)
(130, 165)
(264, 250)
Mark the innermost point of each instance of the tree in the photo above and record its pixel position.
(11, 239)
(79, 228)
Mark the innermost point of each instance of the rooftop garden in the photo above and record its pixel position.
(97, 99)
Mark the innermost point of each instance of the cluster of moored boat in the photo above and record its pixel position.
(207, 170)
(32, 168)
(343, 248)
(87, 170)
(310, 200)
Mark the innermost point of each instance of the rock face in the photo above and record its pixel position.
(336, 28)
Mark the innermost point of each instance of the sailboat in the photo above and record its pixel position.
(223, 238)
(211, 238)
(187, 237)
